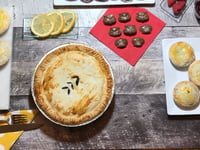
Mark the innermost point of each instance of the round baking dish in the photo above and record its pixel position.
(45, 113)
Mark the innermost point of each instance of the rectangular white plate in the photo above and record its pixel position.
(99, 3)
(173, 76)
(5, 70)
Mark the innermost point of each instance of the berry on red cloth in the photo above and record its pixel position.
(178, 7)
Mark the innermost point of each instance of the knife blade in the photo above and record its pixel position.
(19, 127)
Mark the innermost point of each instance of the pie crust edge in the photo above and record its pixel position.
(46, 108)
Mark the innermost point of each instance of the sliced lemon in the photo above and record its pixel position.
(58, 19)
(70, 18)
(42, 25)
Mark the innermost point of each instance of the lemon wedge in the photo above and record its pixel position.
(58, 19)
(69, 20)
(42, 25)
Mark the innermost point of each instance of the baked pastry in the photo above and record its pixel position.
(4, 21)
(109, 19)
(4, 53)
(142, 17)
(86, 1)
(186, 95)
(138, 41)
(181, 54)
(121, 43)
(145, 29)
(194, 72)
(130, 30)
(73, 85)
(115, 31)
(124, 17)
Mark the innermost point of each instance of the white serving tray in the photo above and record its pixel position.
(173, 76)
(5, 70)
(99, 3)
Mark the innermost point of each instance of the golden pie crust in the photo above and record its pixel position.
(186, 95)
(194, 72)
(181, 54)
(73, 84)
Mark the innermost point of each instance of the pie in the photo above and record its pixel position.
(194, 72)
(181, 54)
(73, 84)
(186, 95)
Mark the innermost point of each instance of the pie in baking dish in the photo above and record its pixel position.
(73, 84)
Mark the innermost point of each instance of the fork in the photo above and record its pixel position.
(14, 119)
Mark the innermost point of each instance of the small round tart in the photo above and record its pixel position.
(73, 85)
(181, 54)
(4, 21)
(4, 53)
(194, 72)
(186, 95)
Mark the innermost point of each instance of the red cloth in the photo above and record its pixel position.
(131, 54)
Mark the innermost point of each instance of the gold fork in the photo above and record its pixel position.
(15, 119)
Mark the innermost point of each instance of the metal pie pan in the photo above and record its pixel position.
(43, 112)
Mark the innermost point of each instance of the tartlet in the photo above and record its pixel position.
(4, 53)
(73, 85)
(194, 72)
(181, 54)
(186, 95)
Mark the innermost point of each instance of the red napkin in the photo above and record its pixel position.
(131, 54)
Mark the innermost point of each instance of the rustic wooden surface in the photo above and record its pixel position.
(137, 116)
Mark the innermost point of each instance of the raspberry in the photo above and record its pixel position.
(178, 7)
(171, 2)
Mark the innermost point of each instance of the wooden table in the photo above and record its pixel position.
(137, 116)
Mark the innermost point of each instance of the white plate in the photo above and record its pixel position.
(98, 3)
(173, 76)
(5, 70)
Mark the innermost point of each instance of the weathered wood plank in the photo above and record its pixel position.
(131, 121)
(129, 79)
(30, 50)
(146, 77)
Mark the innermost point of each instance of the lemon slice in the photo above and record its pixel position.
(41, 25)
(70, 18)
(58, 19)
